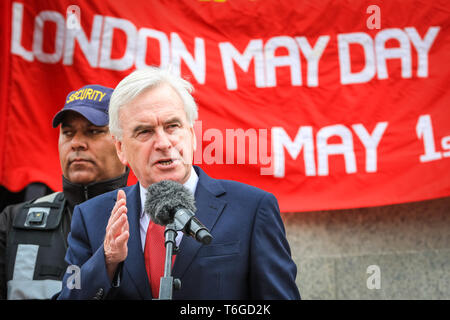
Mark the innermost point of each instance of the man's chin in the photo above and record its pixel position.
(83, 178)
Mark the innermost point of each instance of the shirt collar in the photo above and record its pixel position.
(190, 184)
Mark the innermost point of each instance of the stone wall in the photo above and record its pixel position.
(409, 244)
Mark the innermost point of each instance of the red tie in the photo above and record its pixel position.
(154, 255)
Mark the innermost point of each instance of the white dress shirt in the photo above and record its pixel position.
(190, 184)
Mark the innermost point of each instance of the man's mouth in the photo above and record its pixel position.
(79, 160)
(165, 162)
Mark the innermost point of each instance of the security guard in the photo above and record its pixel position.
(33, 235)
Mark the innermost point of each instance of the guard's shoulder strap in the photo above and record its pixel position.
(52, 197)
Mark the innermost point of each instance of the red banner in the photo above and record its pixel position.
(327, 105)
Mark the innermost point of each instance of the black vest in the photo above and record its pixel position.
(36, 249)
(37, 241)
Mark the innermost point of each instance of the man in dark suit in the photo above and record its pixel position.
(151, 118)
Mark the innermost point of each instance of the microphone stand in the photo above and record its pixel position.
(167, 282)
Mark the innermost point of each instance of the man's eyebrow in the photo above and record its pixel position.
(88, 126)
(91, 125)
(142, 127)
(173, 120)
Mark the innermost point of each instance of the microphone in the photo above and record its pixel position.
(170, 202)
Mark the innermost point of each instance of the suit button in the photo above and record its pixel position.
(99, 294)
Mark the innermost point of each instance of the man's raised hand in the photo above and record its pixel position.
(115, 244)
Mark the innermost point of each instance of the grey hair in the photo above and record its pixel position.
(139, 81)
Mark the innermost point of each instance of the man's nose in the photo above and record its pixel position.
(162, 140)
(79, 141)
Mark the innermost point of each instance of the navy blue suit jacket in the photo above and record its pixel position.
(248, 258)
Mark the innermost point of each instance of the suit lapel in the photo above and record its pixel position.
(134, 264)
(209, 208)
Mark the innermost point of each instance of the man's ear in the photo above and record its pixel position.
(120, 151)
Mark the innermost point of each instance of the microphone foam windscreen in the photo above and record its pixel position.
(164, 198)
